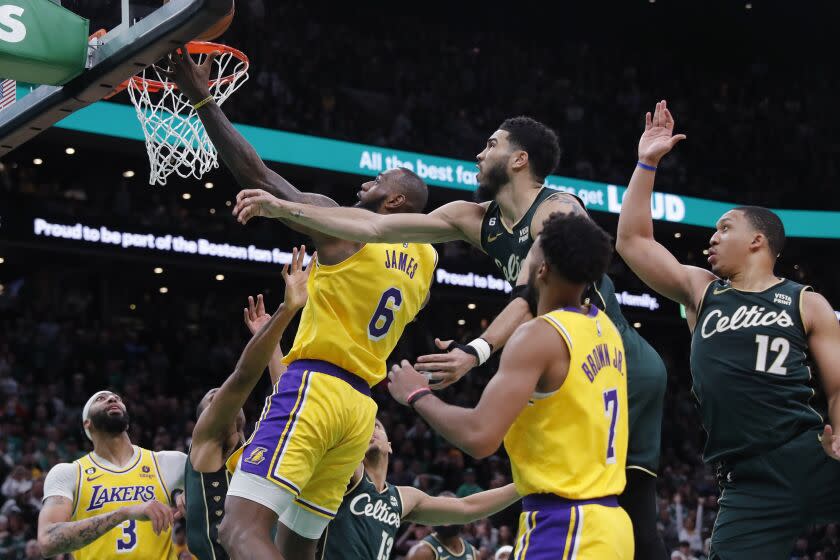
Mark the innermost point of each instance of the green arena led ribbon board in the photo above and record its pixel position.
(347, 157)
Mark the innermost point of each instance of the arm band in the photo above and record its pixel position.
(646, 166)
(480, 348)
(417, 395)
(525, 292)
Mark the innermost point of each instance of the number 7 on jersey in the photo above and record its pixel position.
(611, 412)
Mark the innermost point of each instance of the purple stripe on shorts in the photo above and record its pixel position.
(542, 502)
(257, 455)
(548, 536)
(320, 366)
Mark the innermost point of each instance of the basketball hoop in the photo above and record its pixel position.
(175, 137)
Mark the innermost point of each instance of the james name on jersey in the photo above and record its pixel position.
(402, 262)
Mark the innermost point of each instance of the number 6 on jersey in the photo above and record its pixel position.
(383, 317)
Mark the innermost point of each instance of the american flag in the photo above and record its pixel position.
(8, 93)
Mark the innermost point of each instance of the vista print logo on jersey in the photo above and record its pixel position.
(102, 495)
(743, 318)
(783, 299)
(380, 511)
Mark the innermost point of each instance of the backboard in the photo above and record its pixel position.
(127, 48)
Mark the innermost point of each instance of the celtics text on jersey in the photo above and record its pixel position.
(750, 370)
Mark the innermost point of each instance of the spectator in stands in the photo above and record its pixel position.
(468, 486)
(683, 552)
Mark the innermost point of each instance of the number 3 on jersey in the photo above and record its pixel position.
(128, 540)
(383, 317)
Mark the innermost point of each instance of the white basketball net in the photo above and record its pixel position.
(175, 138)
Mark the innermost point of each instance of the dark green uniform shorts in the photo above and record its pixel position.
(767, 501)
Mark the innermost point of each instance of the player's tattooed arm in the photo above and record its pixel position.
(557, 203)
(58, 535)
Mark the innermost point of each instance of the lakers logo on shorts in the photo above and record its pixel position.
(256, 456)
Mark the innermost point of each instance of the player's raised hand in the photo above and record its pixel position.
(251, 203)
(658, 138)
(296, 278)
(191, 78)
(161, 516)
(403, 380)
(445, 369)
(255, 315)
(830, 443)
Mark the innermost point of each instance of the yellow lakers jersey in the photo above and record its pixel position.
(358, 308)
(103, 490)
(573, 442)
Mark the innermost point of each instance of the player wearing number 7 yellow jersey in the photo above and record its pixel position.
(559, 402)
(317, 425)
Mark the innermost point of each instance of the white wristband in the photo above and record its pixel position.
(483, 348)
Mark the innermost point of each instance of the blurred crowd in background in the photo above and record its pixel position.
(759, 129)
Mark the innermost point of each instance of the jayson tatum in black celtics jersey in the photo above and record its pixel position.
(366, 524)
(753, 335)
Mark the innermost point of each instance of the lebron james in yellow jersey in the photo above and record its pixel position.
(114, 502)
(559, 401)
(317, 425)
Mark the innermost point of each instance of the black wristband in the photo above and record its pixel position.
(463, 348)
(417, 396)
(525, 292)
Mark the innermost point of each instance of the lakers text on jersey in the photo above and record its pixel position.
(103, 490)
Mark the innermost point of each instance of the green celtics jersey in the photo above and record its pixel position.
(444, 553)
(509, 247)
(749, 369)
(205, 494)
(365, 525)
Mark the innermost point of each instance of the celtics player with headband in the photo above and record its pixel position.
(372, 511)
(512, 169)
(116, 501)
(753, 334)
